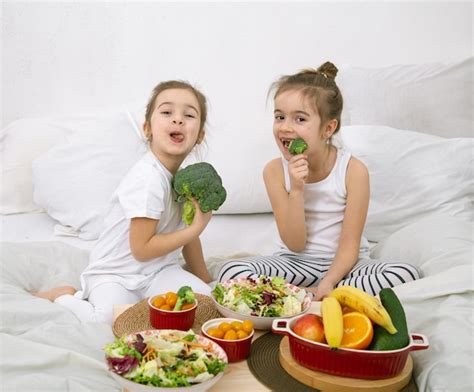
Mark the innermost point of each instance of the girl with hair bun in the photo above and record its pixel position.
(319, 197)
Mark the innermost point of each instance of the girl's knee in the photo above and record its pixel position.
(234, 269)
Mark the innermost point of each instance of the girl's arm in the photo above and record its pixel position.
(288, 208)
(146, 244)
(358, 194)
(194, 258)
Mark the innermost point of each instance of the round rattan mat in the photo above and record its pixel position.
(264, 363)
(137, 317)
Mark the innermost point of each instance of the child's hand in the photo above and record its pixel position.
(323, 290)
(200, 219)
(298, 170)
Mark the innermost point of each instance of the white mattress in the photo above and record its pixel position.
(226, 235)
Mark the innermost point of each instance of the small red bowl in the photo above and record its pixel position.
(346, 362)
(169, 319)
(236, 350)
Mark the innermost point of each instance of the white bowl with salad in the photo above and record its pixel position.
(260, 300)
(165, 360)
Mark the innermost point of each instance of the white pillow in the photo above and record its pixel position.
(430, 98)
(74, 181)
(434, 243)
(24, 140)
(412, 175)
(20, 143)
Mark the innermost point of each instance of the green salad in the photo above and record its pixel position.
(164, 358)
(262, 297)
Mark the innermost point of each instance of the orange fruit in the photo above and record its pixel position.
(215, 333)
(358, 331)
(225, 327)
(158, 301)
(247, 326)
(171, 298)
(236, 325)
(165, 307)
(241, 334)
(230, 335)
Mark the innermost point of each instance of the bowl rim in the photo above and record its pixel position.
(151, 388)
(306, 300)
(170, 311)
(220, 320)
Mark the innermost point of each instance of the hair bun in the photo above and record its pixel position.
(328, 69)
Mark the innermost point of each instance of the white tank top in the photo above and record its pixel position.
(324, 205)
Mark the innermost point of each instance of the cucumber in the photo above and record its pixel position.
(383, 340)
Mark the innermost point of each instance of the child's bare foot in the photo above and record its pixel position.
(55, 292)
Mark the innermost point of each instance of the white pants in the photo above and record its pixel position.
(99, 306)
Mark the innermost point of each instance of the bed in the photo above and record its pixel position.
(411, 125)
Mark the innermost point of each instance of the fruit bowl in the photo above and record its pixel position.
(171, 319)
(236, 350)
(263, 322)
(346, 362)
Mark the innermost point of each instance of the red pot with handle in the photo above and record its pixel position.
(347, 362)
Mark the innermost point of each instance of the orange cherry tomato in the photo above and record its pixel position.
(230, 335)
(158, 301)
(247, 326)
(236, 325)
(186, 306)
(215, 333)
(171, 298)
(241, 334)
(224, 326)
(165, 307)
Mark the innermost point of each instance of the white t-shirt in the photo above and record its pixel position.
(324, 206)
(145, 191)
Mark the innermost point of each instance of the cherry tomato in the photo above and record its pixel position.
(247, 326)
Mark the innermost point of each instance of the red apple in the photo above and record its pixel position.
(310, 326)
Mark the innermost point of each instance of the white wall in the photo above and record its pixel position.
(75, 57)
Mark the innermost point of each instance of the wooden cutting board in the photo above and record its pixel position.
(327, 382)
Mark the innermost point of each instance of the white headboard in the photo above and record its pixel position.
(78, 57)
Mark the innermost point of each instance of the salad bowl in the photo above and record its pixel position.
(260, 300)
(162, 346)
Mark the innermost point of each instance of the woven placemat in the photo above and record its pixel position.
(264, 363)
(137, 317)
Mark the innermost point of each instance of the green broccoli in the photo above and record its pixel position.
(297, 146)
(201, 182)
(185, 295)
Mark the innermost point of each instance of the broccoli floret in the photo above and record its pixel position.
(185, 295)
(199, 181)
(297, 146)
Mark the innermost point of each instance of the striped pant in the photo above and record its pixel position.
(368, 274)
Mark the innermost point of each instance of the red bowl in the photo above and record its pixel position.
(347, 362)
(236, 350)
(169, 319)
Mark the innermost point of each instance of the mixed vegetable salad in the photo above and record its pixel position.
(164, 358)
(262, 297)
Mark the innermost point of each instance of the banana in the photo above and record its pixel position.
(364, 303)
(332, 321)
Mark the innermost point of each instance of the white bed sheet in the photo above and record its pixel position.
(50, 349)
